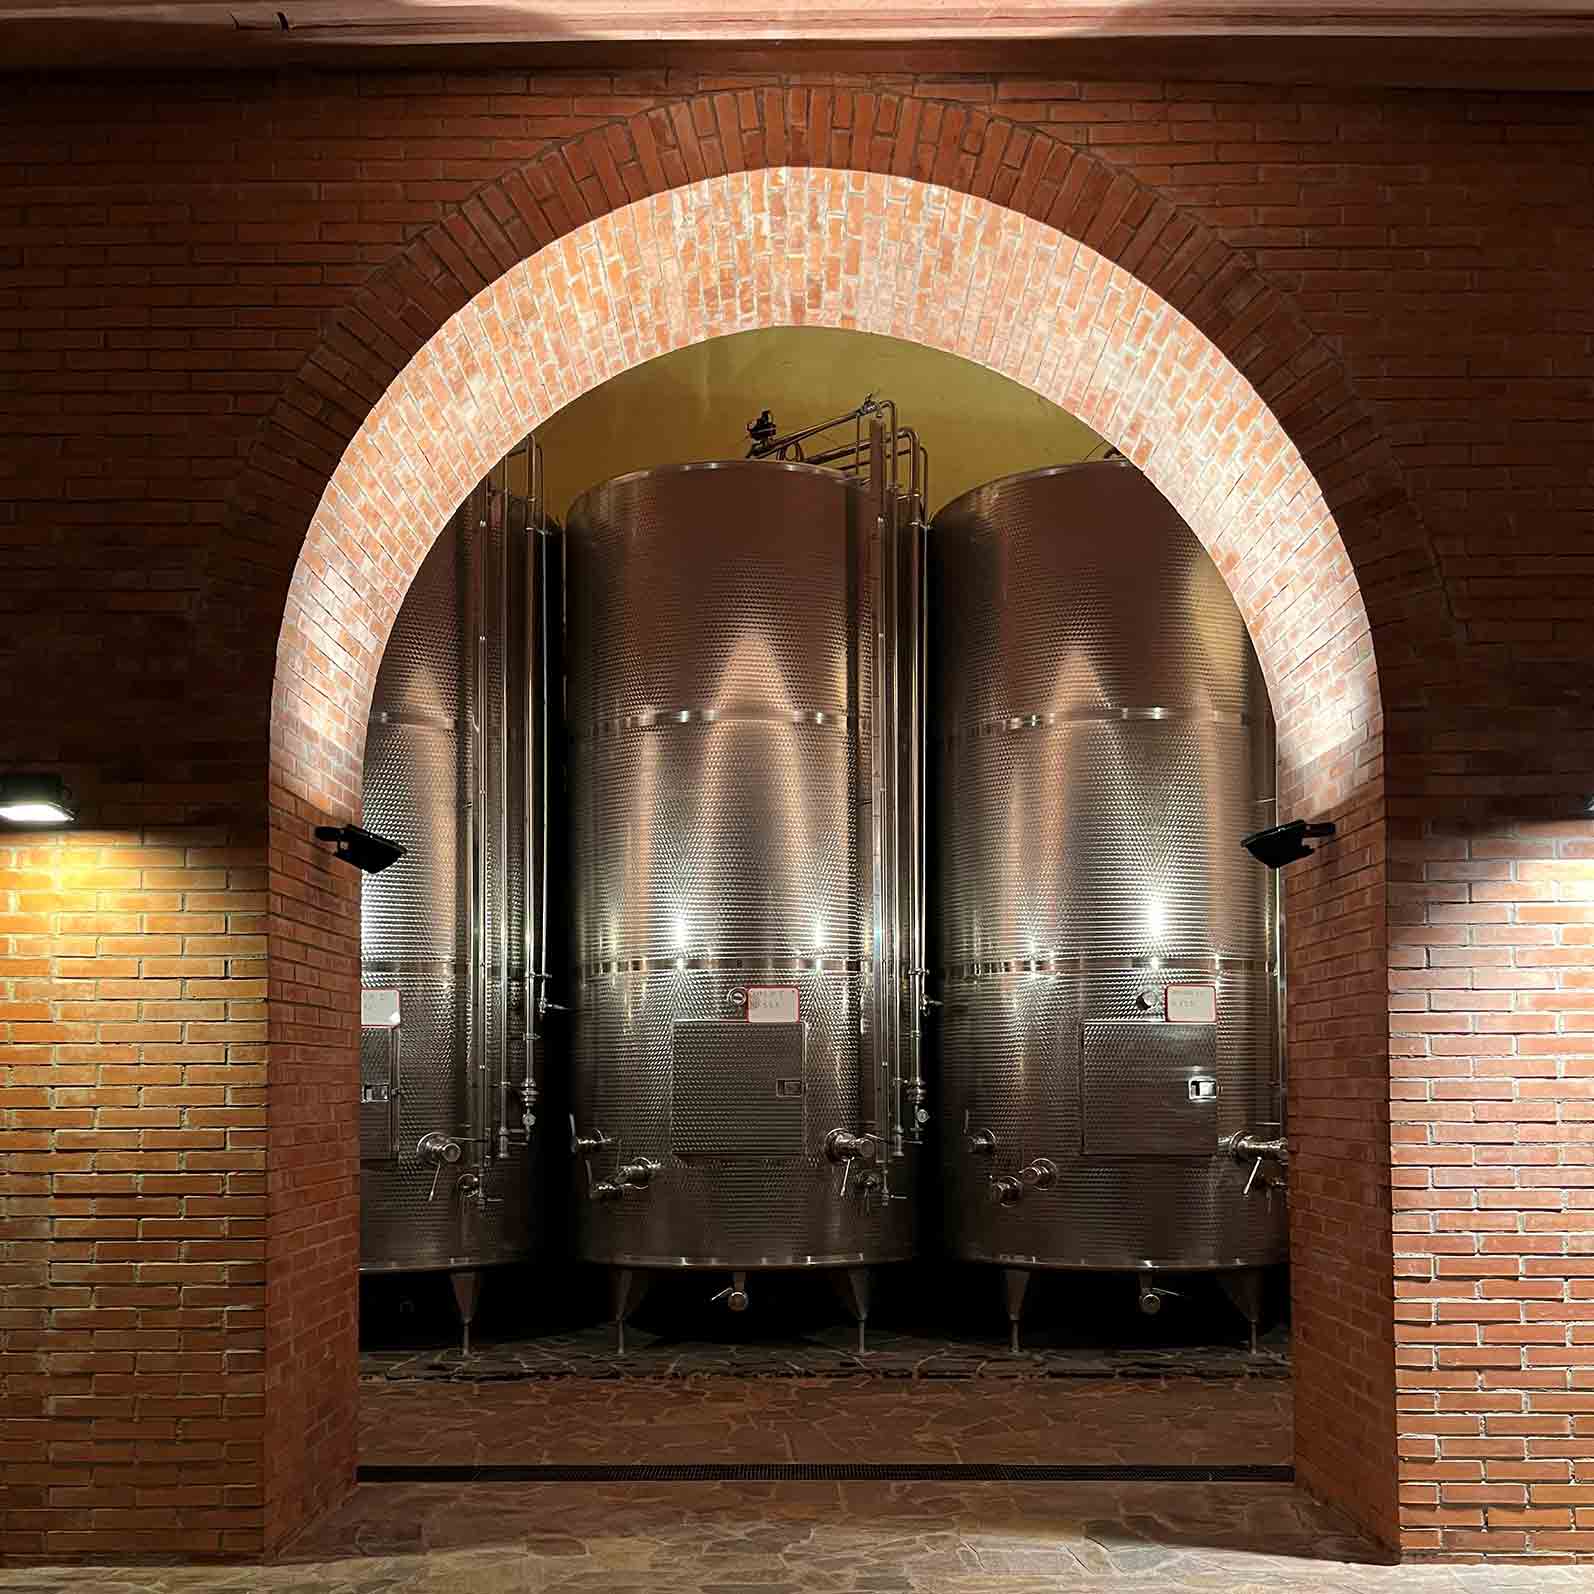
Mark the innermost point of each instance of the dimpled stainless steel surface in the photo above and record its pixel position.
(713, 693)
(418, 916)
(1101, 739)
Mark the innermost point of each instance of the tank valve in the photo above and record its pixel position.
(634, 1175)
(982, 1143)
(1269, 1158)
(1151, 1297)
(472, 1187)
(584, 1145)
(843, 1146)
(734, 1294)
(438, 1151)
(1007, 1191)
(638, 1173)
(1041, 1174)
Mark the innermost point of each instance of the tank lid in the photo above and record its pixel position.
(683, 467)
(1040, 473)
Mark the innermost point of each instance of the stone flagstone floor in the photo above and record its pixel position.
(868, 1538)
(859, 1418)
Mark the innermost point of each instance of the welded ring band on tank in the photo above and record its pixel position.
(1004, 724)
(415, 718)
(752, 714)
(438, 968)
(1163, 962)
(794, 964)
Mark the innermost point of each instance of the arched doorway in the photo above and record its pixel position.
(919, 260)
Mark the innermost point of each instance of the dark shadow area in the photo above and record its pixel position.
(949, 1313)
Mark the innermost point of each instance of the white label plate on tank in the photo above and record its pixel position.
(772, 1004)
(379, 1009)
(1191, 1004)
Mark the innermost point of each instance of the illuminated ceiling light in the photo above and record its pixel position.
(35, 800)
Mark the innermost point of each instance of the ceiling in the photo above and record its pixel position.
(1527, 44)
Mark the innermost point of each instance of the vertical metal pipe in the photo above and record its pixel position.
(1280, 985)
(551, 585)
(476, 1056)
(535, 795)
(499, 1084)
(916, 820)
(882, 761)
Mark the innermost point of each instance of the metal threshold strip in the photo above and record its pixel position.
(824, 1472)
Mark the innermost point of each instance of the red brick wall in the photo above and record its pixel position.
(209, 285)
(1338, 1061)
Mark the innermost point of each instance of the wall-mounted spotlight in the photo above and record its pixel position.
(1282, 844)
(363, 848)
(35, 800)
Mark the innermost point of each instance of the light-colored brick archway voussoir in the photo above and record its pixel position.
(784, 246)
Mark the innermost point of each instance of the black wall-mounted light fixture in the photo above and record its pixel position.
(1282, 844)
(364, 849)
(35, 799)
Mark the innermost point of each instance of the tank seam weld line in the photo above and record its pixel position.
(1161, 963)
(684, 964)
(1002, 724)
(666, 718)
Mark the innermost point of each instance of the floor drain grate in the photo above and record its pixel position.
(824, 1472)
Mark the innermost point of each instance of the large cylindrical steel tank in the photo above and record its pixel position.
(720, 663)
(452, 934)
(1105, 950)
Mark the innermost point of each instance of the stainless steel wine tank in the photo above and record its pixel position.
(1105, 950)
(737, 1094)
(452, 934)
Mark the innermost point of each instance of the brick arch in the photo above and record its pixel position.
(792, 246)
(1256, 477)
(1150, 257)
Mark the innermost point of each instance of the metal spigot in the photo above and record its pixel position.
(734, 1294)
(1041, 1174)
(472, 1187)
(842, 1146)
(1152, 1296)
(584, 1145)
(634, 1175)
(1269, 1158)
(1006, 1191)
(438, 1151)
(982, 1143)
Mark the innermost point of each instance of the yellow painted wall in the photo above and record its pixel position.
(695, 404)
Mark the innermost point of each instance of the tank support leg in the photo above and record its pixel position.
(1243, 1286)
(467, 1290)
(852, 1284)
(1015, 1281)
(627, 1287)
